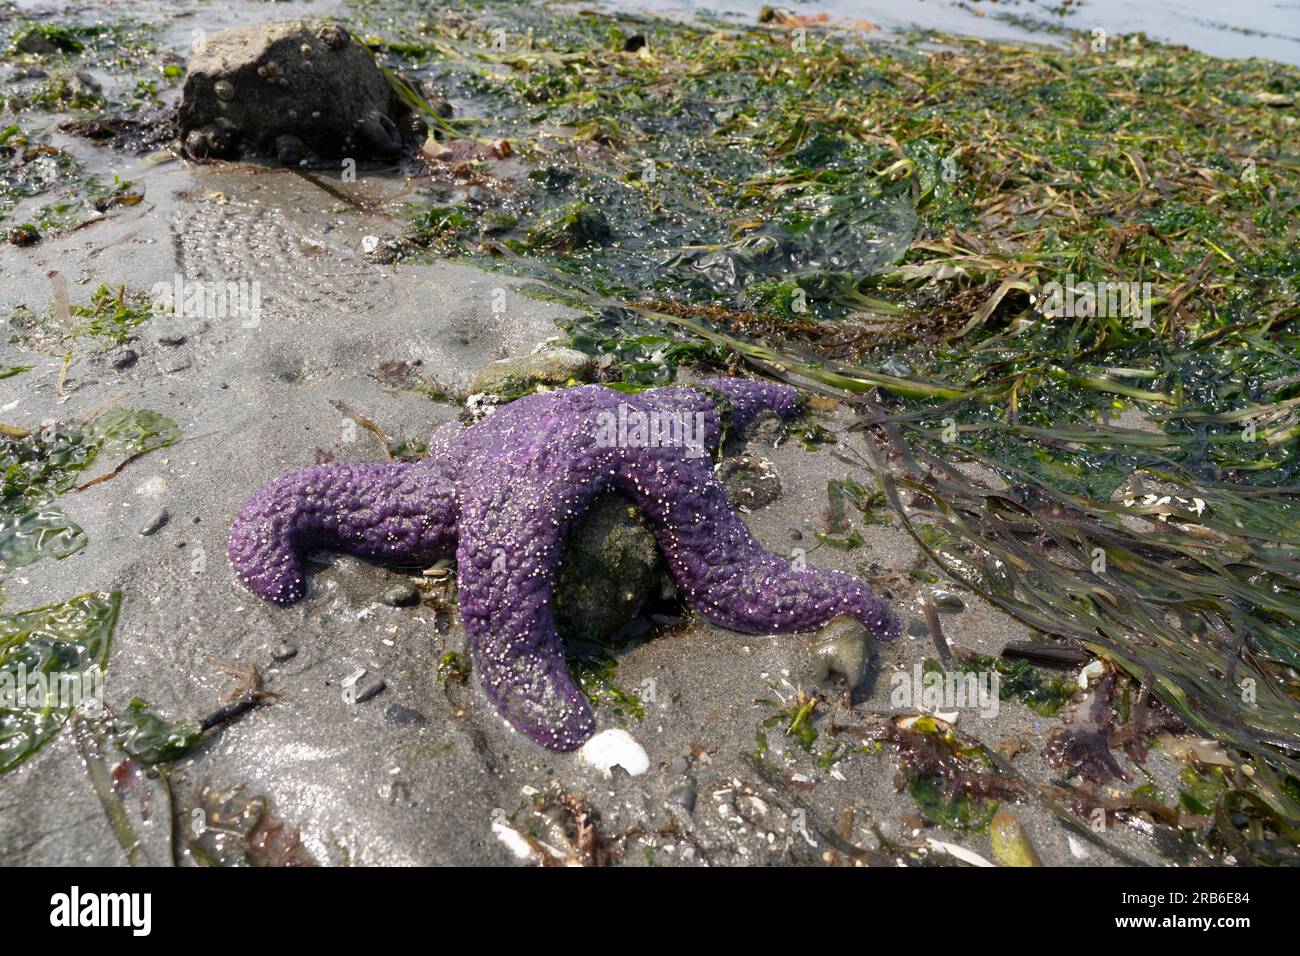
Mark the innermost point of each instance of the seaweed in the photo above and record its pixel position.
(829, 217)
(39, 466)
(52, 661)
(152, 739)
(954, 783)
(1044, 694)
(595, 673)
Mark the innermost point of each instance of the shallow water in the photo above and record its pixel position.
(1263, 28)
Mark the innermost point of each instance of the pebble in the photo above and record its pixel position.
(283, 653)
(403, 716)
(401, 595)
(896, 367)
(840, 650)
(125, 358)
(371, 689)
(154, 522)
(1011, 846)
(684, 795)
(946, 600)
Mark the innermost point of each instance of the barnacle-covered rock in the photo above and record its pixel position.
(555, 367)
(611, 568)
(291, 91)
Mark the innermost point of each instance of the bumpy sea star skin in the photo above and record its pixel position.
(500, 495)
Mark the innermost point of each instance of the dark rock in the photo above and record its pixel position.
(403, 716)
(611, 568)
(42, 40)
(575, 226)
(370, 689)
(633, 43)
(294, 90)
(766, 431)
(684, 795)
(289, 150)
(750, 481)
(24, 235)
(140, 132)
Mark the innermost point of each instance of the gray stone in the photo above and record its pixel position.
(611, 567)
(284, 652)
(78, 88)
(404, 594)
(550, 366)
(28, 73)
(946, 600)
(684, 795)
(840, 651)
(292, 90)
(403, 716)
(154, 522)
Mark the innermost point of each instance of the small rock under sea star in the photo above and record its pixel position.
(500, 496)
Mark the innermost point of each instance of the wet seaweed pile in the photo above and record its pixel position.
(934, 230)
(105, 82)
(72, 637)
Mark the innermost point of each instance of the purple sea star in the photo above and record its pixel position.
(501, 494)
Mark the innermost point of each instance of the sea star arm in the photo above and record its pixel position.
(722, 571)
(506, 565)
(750, 398)
(385, 511)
